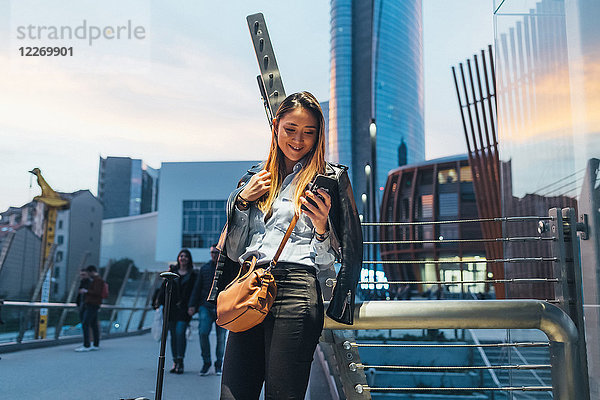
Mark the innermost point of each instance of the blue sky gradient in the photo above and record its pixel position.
(189, 92)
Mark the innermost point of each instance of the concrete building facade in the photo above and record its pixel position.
(19, 263)
(131, 237)
(77, 234)
(191, 202)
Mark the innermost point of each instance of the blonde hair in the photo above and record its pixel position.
(314, 161)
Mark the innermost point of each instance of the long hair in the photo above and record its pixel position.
(191, 264)
(315, 158)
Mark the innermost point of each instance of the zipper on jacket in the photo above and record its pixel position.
(347, 302)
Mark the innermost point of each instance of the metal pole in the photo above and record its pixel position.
(588, 204)
(168, 277)
(344, 356)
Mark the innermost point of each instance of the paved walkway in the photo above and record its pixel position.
(122, 368)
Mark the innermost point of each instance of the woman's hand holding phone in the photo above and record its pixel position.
(258, 185)
(316, 207)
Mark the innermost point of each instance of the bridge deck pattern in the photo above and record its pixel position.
(122, 368)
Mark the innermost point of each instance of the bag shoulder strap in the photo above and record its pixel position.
(287, 235)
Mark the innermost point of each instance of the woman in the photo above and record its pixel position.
(179, 318)
(279, 351)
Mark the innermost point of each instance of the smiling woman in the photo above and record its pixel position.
(279, 350)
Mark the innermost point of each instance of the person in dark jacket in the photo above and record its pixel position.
(84, 283)
(279, 350)
(89, 317)
(207, 314)
(179, 318)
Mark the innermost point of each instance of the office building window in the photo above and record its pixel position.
(448, 204)
(60, 239)
(57, 272)
(59, 256)
(60, 224)
(203, 221)
(424, 206)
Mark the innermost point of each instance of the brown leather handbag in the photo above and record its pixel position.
(246, 301)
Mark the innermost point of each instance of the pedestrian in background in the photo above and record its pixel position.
(92, 302)
(179, 318)
(207, 314)
(84, 283)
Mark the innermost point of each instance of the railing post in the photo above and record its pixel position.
(588, 205)
(113, 315)
(353, 379)
(568, 290)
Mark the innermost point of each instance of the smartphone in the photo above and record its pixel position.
(324, 183)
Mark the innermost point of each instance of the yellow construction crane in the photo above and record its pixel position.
(53, 203)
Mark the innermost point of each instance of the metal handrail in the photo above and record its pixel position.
(483, 314)
(492, 240)
(38, 304)
(66, 307)
(460, 221)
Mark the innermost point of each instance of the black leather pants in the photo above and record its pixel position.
(280, 350)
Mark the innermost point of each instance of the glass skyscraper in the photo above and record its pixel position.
(376, 73)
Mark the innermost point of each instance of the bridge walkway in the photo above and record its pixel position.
(122, 368)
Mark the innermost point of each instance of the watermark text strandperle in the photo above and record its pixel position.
(81, 32)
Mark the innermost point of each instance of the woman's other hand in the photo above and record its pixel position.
(317, 214)
(258, 185)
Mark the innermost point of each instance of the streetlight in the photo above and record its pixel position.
(373, 193)
(368, 190)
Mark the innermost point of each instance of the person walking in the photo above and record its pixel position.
(278, 352)
(179, 318)
(89, 316)
(207, 315)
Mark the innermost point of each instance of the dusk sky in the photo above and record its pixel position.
(187, 91)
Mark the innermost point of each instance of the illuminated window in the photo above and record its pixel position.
(427, 206)
(447, 176)
(465, 174)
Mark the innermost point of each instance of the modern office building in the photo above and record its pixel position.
(133, 238)
(325, 108)
(127, 187)
(19, 262)
(192, 201)
(77, 239)
(434, 190)
(376, 76)
(548, 127)
(77, 236)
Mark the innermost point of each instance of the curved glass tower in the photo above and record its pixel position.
(376, 73)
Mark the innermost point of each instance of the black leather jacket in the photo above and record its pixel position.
(346, 240)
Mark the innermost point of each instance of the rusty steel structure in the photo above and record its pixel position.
(476, 95)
